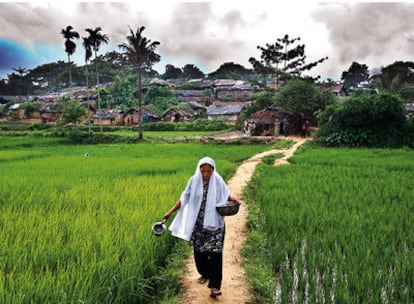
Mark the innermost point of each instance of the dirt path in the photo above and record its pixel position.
(234, 287)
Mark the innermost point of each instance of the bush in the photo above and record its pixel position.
(368, 120)
(196, 125)
(39, 126)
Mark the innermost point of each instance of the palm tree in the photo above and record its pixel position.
(141, 51)
(88, 54)
(95, 40)
(70, 46)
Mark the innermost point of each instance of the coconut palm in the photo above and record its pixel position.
(70, 46)
(95, 40)
(88, 55)
(141, 51)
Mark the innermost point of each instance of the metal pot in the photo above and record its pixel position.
(159, 228)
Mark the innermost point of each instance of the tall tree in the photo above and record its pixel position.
(172, 72)
(95, 39)
(190, 71)
(302, 96)
(87, 45)
(356, 74)
(23, 83)
(70, 46)
(231, 70)
(141, 51)
(282, 60)
(397, 76)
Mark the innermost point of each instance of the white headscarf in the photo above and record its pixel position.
(218, 193)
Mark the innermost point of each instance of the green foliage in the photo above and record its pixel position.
(160, 98)
(73, 112)
(261, 101)
(30, 106)
(334, 225)
(366, 120)
(76, 227)
(397, 76)
(302, 96)
(282, 60)
(196, 125)
(231, 70)
(172, 72)
(190, 71)
(355, 74)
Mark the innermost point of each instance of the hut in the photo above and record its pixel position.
(269, 122)
(130, 117)
(227, 111)
(175, 114)
(337, 88)
(235, 90)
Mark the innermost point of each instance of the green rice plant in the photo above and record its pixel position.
(75, 220)
(352, 208)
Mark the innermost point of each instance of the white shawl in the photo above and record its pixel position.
(218, 193)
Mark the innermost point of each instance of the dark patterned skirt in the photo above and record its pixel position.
(207, 241)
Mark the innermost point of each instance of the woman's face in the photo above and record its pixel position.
(206, 172)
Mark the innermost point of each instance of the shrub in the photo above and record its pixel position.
(366, 120)
(196, 125)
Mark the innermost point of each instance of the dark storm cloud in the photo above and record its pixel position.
(113, 18)
(196, 31)
(26, 25)
(377, 33)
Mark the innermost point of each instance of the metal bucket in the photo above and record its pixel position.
(159, 228)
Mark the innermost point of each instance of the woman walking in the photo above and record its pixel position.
(198, 221)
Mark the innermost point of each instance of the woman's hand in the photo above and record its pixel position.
(234, 200)
(172, 210)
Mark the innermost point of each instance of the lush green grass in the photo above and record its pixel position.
(77, 229)
(163, 134)
(336, 226)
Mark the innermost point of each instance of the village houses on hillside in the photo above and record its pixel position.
(212, 99)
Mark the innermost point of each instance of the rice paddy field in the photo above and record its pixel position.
(337, 226)
(75, 220)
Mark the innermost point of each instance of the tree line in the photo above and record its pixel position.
(283, 62)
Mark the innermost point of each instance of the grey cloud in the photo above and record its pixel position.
(189, 19)
(187, 34)
(26, 25)
(374, 32)
(232, 20)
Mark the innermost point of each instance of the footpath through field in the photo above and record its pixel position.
(234, 287)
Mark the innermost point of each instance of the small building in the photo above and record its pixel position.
(227, 111)
(104, 118)
(234, 90)
(198, 108)
(176, 114)
(269, 121)
(198, 96)
(48, 114)
(16, 112)
(130, 117)
(337, 88)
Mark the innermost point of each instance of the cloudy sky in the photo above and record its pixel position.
(210, 33)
